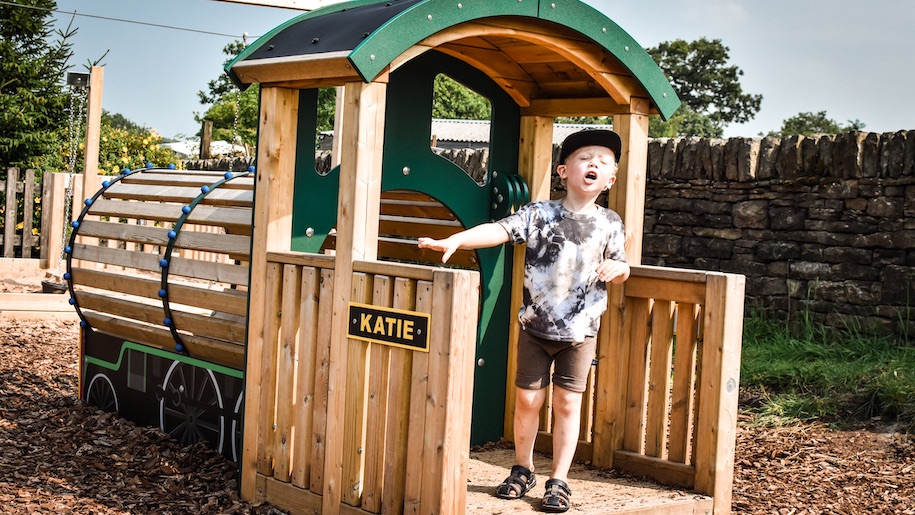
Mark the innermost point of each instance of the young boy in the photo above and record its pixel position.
(574, 247)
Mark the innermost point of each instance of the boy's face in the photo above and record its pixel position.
(589, 170)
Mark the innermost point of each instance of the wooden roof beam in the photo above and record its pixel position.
(556, 107)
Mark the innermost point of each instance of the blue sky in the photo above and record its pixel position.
(850, 58)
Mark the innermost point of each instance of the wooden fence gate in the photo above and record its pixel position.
(402, 442)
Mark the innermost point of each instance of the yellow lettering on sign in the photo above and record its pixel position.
(364, 321)
(379, 326)
(408, 329)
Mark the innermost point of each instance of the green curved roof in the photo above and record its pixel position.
(374, 33)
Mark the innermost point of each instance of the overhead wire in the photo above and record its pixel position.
(121, 20)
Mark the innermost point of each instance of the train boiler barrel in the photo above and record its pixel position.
(160, 257)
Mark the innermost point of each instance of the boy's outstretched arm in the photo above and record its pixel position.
(483, 235)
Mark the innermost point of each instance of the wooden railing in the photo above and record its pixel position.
(406, 430)
(662, 397)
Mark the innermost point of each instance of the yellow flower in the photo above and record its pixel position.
(20, 225)
(38, 200)
(105, 139)
(124, 149)
(35, 232)
(115, 169)
(125, 159)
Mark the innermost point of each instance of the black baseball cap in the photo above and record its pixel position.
(588, 137)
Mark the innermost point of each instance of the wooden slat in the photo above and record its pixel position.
(286, 358)
(379, 380)
(416, 431)
(395, 449)
(28, 211)
(666, 289)
(9, 225)
(322, 380)
(636, 389)
(205, 242)
(682, 401)
(236, 220)
(188, 179)
(218, 197)
(219, 272)
(122, 307)
(266, 394)
(303, 398)
(352, 426)
(122, 283)
(662, 325)
(215, 351)
(659, 469)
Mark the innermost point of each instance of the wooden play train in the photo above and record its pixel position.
(218, 306)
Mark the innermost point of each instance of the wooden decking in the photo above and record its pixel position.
(594, 491)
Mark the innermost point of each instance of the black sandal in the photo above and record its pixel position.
(518, 483)
(557, 498)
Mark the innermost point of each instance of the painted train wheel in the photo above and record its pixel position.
(236, 429)
(101, 393)
(190, 409)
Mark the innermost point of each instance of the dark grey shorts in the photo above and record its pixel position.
(572, 362)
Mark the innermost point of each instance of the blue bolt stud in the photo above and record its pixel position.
(162, 293)
(186, 209)
(167, 322)
(172, 235)
(205, 189)
(75, 224)
(105, 184)
(171, 166)
(72, 301)
(88, 202)
(251, 168)
(66, 276)
(125, 171)
(83, 324)
(68, 249)
(179, 348)
(149, 165)
(163, 263)
(228, 175)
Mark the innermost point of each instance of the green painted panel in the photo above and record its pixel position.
(314, 200)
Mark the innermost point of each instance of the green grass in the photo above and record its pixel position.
(812, 372)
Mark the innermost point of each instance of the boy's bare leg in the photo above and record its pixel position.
(566, 424)
(526, 424)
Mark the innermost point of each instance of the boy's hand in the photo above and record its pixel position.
(613, 271)
(448, 246)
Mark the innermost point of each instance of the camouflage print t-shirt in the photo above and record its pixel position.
(563, 298)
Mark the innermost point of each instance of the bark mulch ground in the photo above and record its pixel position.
(58, 455)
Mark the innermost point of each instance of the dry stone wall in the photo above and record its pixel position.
(821, 226)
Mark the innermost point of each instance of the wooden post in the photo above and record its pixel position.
(627, 196)
(93, 129)
(206, 139)
(357, 239)
(273, 219)
(535, 159)
(716, 430)
(53, 205)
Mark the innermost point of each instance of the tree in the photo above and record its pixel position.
(708, 87)
(33, 103)
(453, 100)
(807, 123)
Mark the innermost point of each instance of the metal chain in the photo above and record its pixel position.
(244, 44)
(74, 128)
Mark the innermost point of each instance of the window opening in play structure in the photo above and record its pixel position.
(324, 130)
(461, 126)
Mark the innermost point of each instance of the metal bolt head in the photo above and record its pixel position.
(406, 170)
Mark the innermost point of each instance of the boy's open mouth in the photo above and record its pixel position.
(591, 176)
